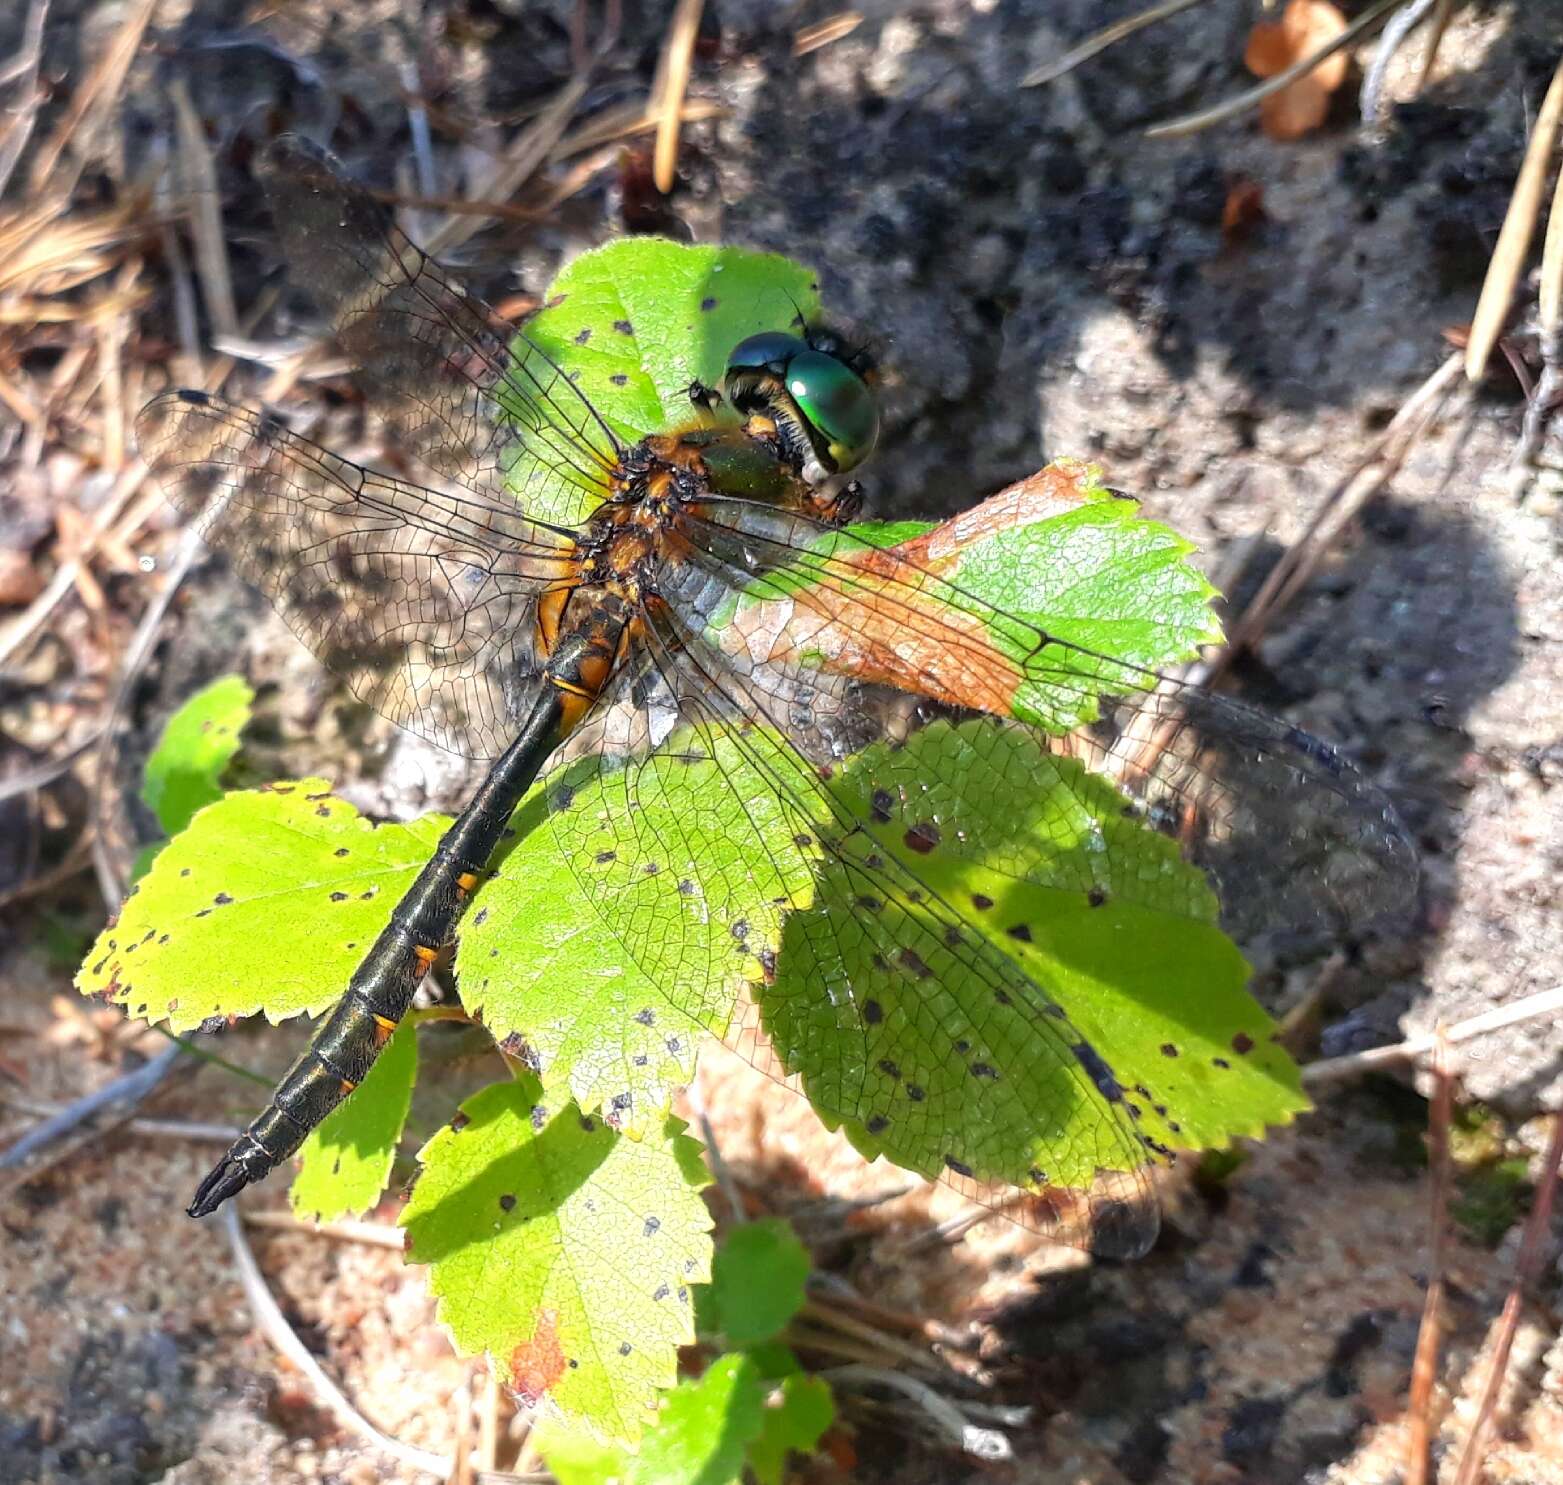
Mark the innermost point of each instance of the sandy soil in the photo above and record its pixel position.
(1039, 280)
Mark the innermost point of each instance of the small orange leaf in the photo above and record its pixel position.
(1273, 46)
(1242, 211)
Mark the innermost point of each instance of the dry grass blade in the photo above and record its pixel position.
(1551, 297)
(273, 1324)
(373, 1234)
(1049, 71)
(21, 629)
(1328, 1070)
(1192, 123)
(668, 90)
(198, 182)
(1346, 498)
(1544, 399)
(1435, 38)
(46, 252)
(1424, 1370)
(615, 124)
(1508, 257)
(99, 89)
(526, 154)
(1533, 1249)
(22, 69)
(945, 1416)
(1299, 562)
(833, 28)
(1395, 34)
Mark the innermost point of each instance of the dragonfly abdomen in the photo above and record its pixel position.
(346, 1046)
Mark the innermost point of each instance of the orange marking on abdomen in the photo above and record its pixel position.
(384, 1029)
(347, 1085)
(467, 882)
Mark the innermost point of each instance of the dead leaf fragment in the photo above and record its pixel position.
(1273, 46)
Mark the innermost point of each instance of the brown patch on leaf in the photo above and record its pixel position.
(880, 620)
(538, 1364)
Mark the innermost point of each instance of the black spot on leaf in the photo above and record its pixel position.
(922, 838)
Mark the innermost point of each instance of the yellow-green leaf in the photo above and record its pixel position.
(564, 1250)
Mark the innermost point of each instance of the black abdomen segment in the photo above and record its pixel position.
(381, 990)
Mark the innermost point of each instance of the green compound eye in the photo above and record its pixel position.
(837, 403)
(770, 351)
(776, 372)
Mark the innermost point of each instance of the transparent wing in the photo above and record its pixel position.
(422, 600)
(468, 397)
(1295, 838)
(883, 1004)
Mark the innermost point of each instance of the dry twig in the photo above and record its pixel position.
(833, 28)
(668, 90)
(373, 1234)
(1329, 1070)
(22, 69)
(1513, 245)
(1395, 34)
(99, 90)
(1435, 37)
(1424, 1371)
(1050, 71)
(1532, 1254)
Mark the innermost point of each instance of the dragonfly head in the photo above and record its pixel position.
(815, 393)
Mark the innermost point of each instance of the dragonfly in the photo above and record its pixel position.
(457, 606)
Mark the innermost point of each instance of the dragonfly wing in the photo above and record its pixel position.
(468, 397)
(869, 1024)
(1295, 837)
(423, 601)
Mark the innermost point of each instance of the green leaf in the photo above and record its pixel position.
(1056, 552)
(1037, 856)
(1081, 564)
(636, 322)
(796, 1416)
(564, 1250)
(757, 1281)
(266, 903)
(538, 962)
(197, 744)
(347, 1159)
(701, 1437)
